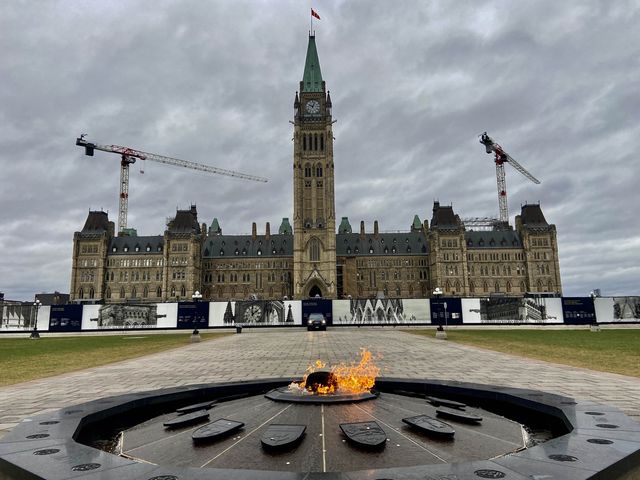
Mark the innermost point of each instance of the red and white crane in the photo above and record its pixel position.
(502, 157)
(129, 156)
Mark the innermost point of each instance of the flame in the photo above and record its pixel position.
(351, 379)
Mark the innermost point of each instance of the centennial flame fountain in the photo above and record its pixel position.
(340, 422)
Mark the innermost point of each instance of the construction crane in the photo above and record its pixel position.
(129, 156)
(502, 157)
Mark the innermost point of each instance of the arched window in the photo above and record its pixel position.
(314, 250)
(471, 286)
(145, 292)
(509, 287)
(92, 293)
(134, 292)
(183, 291)
(304, 141)
(159, 292)
(108, 293)
(307, 170)
(81, 293)
(315, 141)
(523, 287)
(173, 291)
(319, 170)
(550, 286)
(322, 141)
(122, 292)
(485, 287)
(497, 287)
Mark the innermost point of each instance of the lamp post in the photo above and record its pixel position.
(438, 293)
(446, 324)
(34, 334)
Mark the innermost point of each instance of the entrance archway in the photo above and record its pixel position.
(315, 292)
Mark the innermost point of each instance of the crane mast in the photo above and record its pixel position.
(502, 157)
(130, 155)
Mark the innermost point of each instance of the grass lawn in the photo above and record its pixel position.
(616, 351)
(25, 359)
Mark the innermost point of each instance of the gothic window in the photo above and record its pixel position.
(304, 142)
(314, 250)
(122, 292)
(485, 287)
(108, 293)
(183, 291)
(508, 287)
(471, 287)
(81, 293)
(497, 287)
(523, 288)
(550, 286)
(322, 141)
(315, 141)
(173, 291)
(307, 170)
(457, 287)
(133, 292)
(319, 170)
(91, 293)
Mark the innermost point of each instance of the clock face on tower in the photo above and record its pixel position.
(312, 106)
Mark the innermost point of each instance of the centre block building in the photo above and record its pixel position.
(317, 256)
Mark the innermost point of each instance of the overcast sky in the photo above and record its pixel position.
(413, 84)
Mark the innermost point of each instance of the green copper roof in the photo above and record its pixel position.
(345, 226)
(215, 227)
(417, 224)
(285, 227)
(312, 78)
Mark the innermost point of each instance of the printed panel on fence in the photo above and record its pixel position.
(193, 315)
(578, 310)
(446, 311)
(617, 309)
(380, 311)
(255, 312)
(512, 310)
(319, 305)
(21, 316)
(123, 316)
(65, 318)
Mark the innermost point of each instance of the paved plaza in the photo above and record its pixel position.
(261, 353)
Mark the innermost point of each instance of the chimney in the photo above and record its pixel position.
(375, 228)
(254, 230)
(362, 228)
(268, 231)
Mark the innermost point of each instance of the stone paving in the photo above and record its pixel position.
(287, 353)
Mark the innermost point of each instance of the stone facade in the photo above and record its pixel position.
(310, 258)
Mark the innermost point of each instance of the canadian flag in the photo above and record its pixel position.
(315, 14)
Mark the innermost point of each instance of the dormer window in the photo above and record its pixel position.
(348, 249)
(237, 252)
(137, 248)
(159, 248)
(148, 248)
(114, 249)
(370, 249)
(125, 249)
(222, 252)
(259, 252)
